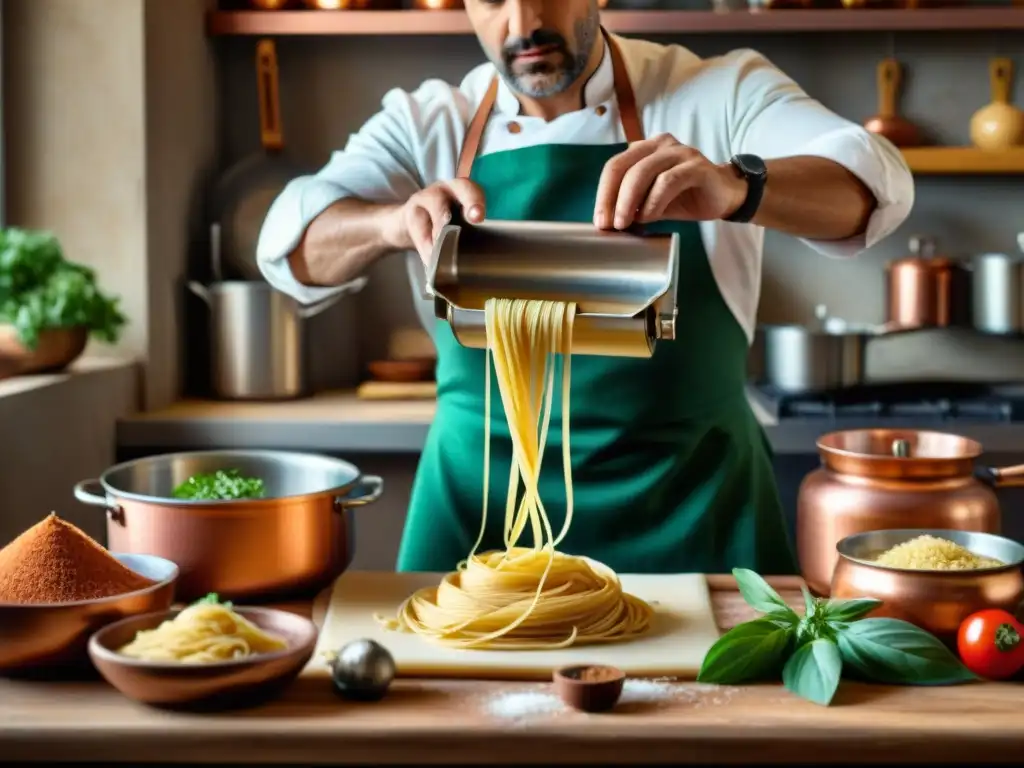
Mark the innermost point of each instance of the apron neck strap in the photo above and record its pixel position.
(628, 113)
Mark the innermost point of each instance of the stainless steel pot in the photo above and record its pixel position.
(297, 539)
(997, 292)
(818, 358)
(258, 339)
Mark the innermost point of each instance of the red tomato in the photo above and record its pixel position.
(990, 644)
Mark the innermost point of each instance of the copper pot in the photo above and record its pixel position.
(937, 601)
(879, 479)
(925, 290)
(296, 540)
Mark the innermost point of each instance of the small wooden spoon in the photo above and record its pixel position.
(887, 122)
(998, 125)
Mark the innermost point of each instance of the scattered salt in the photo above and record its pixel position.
(523, 704)
(658, 692)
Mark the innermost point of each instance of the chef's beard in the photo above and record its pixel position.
(554, 76)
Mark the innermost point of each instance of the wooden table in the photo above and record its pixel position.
(437, 721)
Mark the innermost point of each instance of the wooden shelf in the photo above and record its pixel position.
(627, 22)
(964, 161)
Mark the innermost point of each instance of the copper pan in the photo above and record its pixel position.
(878, 479)
(937, 601)
(294, 541)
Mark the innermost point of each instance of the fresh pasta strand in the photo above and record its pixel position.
(526, 597)
(203, 633)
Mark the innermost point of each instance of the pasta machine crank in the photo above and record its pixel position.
(624, 284)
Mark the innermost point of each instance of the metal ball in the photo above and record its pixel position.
(363, 670)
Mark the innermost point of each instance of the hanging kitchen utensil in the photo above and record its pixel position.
(925, 290)
(244, 194)
(998, 125)
(888, 122)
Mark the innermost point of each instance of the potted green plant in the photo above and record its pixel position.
(49, 306)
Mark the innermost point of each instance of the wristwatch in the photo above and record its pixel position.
(753, 169)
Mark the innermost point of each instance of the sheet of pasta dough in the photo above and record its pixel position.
(683, 630)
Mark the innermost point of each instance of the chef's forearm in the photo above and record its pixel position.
(343, 241)
(814, 198)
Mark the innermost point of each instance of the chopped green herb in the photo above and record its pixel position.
(41, 290)
(222, 485)
(212, 599)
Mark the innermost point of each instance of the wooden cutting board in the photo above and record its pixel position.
(684, 628)
(397, 390)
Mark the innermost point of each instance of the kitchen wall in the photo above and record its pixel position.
(330, 86)
(109, 125)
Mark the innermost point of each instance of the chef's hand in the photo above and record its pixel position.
(424, 214)
(658, 179)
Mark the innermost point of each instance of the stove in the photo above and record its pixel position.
(903, 404)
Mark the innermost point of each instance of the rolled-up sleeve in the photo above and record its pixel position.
(380, 164)
(772, 117)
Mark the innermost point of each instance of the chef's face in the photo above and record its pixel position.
(540, 47)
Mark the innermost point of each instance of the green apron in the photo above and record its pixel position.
(672, 473)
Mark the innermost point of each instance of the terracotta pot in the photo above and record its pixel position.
(56, 349)
(880, 479)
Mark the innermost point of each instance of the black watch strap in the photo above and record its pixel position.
(753, 169)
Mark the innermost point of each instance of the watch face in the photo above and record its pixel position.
(751, 165)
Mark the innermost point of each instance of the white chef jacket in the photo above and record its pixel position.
(725, 105)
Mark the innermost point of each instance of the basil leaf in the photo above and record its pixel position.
(810, 604)
(899, 653)
(757, 594)
(750, 651)
(850, 610)
(782, 618)
(813, 672)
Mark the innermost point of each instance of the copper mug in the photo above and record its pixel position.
(925, 290)
(880, 479)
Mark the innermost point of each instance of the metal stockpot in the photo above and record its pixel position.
(820, 358)
(297, 539)
(258, 339)
(998, 292)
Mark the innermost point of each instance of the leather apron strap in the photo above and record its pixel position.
(628, 114)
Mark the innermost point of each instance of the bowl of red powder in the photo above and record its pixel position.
(58, 586)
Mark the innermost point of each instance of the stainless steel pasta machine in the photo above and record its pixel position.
(624, 284)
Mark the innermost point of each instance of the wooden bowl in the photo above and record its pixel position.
(221, 686)
(53, 638)
(56, 350)
(590, 688)
(937, 601)
(419, 369)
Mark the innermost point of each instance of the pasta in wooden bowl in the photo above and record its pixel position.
(209, 655)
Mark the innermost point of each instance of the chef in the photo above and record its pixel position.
(566, 122)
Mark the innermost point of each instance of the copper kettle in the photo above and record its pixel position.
(925, 290)
(881, 479)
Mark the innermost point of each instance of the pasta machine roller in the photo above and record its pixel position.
(624, 284)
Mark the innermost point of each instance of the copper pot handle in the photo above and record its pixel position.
(84, 493)
(366, 491)
(1001, 477)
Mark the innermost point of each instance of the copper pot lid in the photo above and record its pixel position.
(899, 453)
